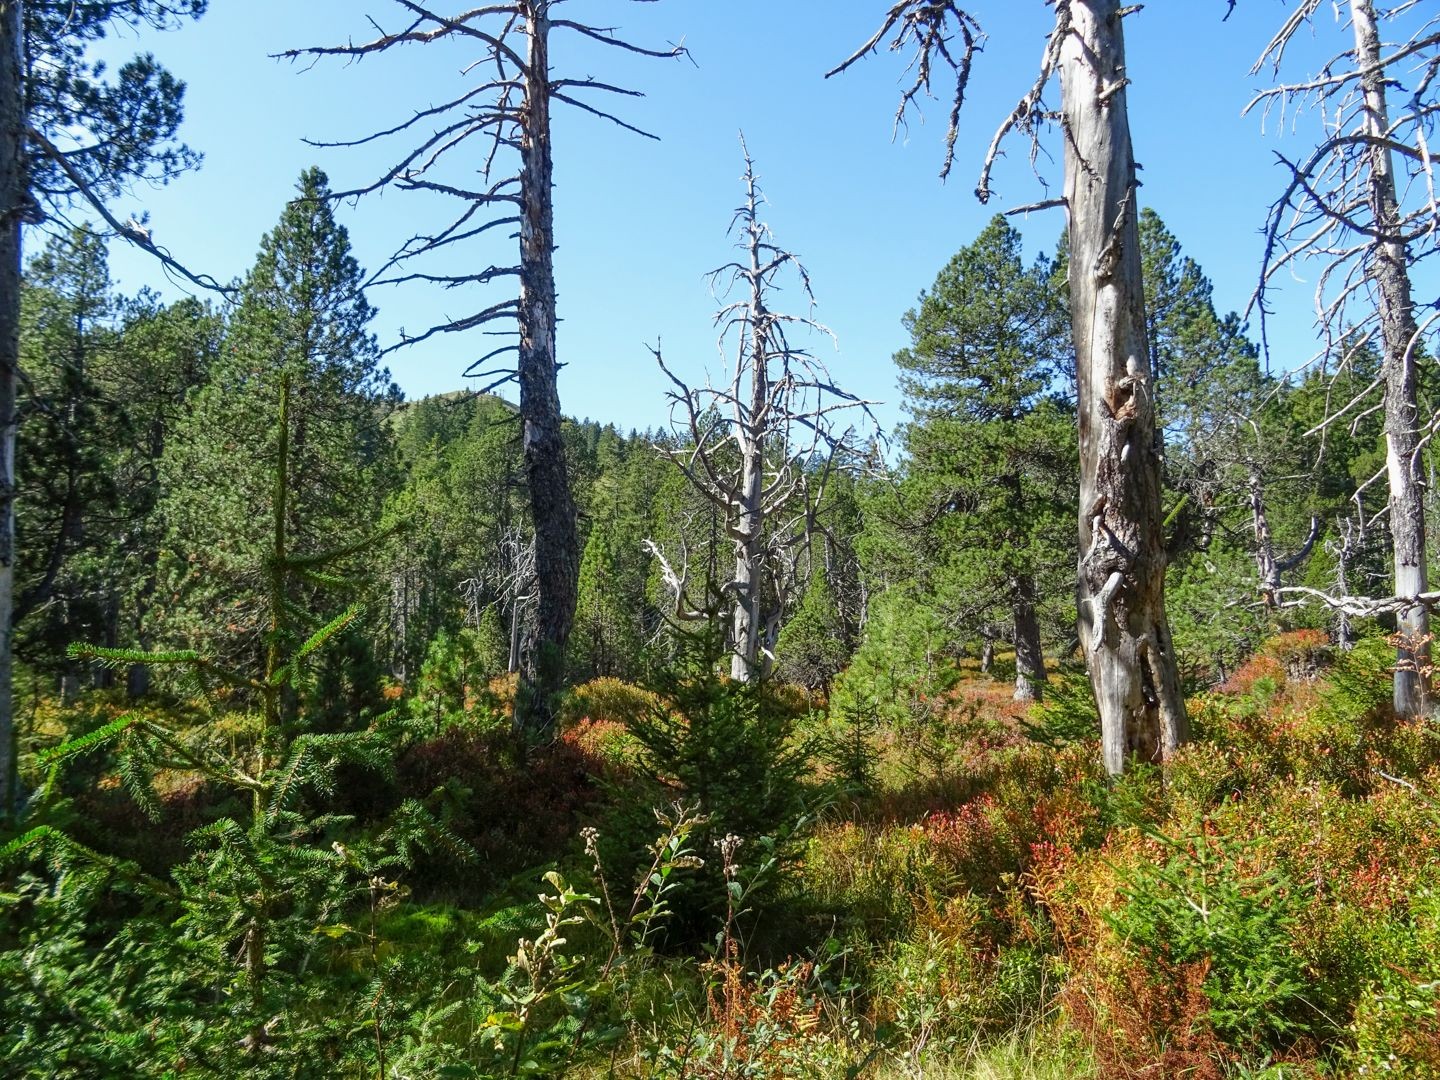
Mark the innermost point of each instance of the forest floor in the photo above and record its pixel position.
(963, 894)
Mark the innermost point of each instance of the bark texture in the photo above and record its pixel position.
(14, 199)
(1122, 564)
(750, 522)
(552, 507)
(1388, 270)
(1029, 656)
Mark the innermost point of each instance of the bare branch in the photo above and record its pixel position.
(131, 231)
(926, 25)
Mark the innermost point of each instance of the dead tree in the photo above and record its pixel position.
(1343, 208)
(502, 115)
(761, 445)
(1268, 566)
(1121, 589)
(516, 586)
(1349, 532)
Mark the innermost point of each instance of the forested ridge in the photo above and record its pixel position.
(1080, 726)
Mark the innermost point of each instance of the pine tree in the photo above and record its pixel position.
(606, 639)
(302, 316)
(991, 449)
(116, 131)
(106, 379)
(812, 648)
(68, 497)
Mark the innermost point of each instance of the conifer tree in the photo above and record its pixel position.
(68, 132)
(106, 378)
(812, 648)
(265, 882)
(68, 497)
(607, 639)
(992, 445)
(303, 317)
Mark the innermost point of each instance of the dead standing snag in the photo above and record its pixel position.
(1344, 207)
(774, 417)
(1121, 590)
(445, 149)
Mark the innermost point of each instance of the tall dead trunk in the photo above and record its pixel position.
(14, 198)
(744, 661)
(1388, 269)
(557, 553)
(1122, 564)
(1029, 657)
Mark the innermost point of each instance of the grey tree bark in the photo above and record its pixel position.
(1388, 270)
(552, 507)
(1122, 564)
(14, 196)
(1029, 656)
(1121, 586)
(752, 428)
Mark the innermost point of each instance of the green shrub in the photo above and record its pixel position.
(1203, 905)
(726, 748)
(1396, 1029)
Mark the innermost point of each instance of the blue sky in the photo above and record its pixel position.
(639, 223)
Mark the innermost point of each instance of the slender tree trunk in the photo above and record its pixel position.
(751, 524)
(557, 556)
(1122, 564)
(515, 623)
(1029, 657)
(745, 627)
(1265, 567)
(1389, 272)
(987, 656)
(14, 197)
(1344, 629)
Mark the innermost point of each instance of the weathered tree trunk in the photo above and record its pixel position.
(744, 662)
(1268, 566)
(14, 198)
(1122, 562)
(1344, 630)
(1388, 270)
(1265, 566)
(987, 656)
(557, 555)
(1029, 657)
